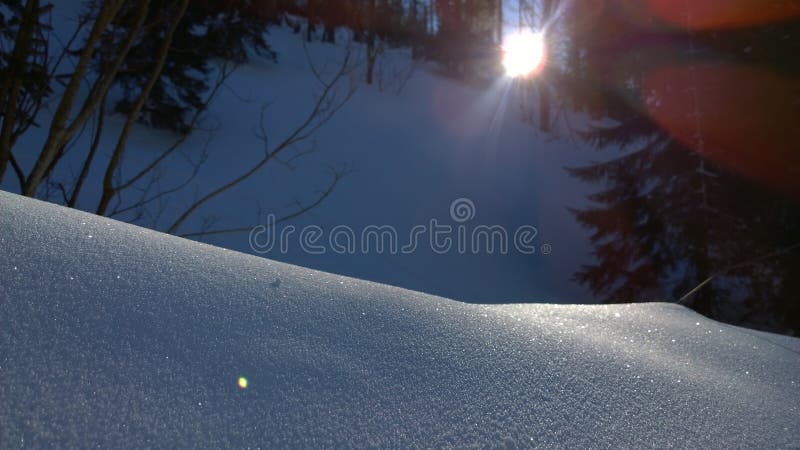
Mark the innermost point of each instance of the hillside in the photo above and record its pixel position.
(115, 336)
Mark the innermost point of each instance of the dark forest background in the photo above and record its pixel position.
(698, 188)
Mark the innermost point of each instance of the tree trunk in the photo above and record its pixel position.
(108, 11)
(116, 157)
(13, 82)
(60, 130)
(548, 7)
(500, 23)
(372, 56)
(312, 11)
(372, 44)
(330, 34)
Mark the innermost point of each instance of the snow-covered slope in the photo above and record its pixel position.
(117, 336)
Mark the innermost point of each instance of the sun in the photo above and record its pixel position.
(523, 53)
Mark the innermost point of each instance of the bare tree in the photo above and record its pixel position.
(75, 111)
(328, 102)
(119, 149)
(151, 170)
(62, 128)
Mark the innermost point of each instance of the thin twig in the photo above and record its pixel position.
(324, 109)
(749, 262)
(337, 176)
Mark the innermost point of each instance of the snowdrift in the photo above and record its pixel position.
(116, 336)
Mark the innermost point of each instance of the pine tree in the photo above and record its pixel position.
(210, 30)
(670, 220)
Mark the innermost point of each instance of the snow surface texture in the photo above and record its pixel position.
(117, 336)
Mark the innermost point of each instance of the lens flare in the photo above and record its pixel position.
(523, 53)
(242, 382)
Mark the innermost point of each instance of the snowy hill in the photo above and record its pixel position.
(117, 336)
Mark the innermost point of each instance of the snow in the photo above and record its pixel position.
(114, 336)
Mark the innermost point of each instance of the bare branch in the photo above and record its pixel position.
(224, 74)
(145, 200)
(326, 105)
(780, 252)
(337, 176)
(87, 163)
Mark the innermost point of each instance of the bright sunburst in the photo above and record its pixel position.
(523, 53)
